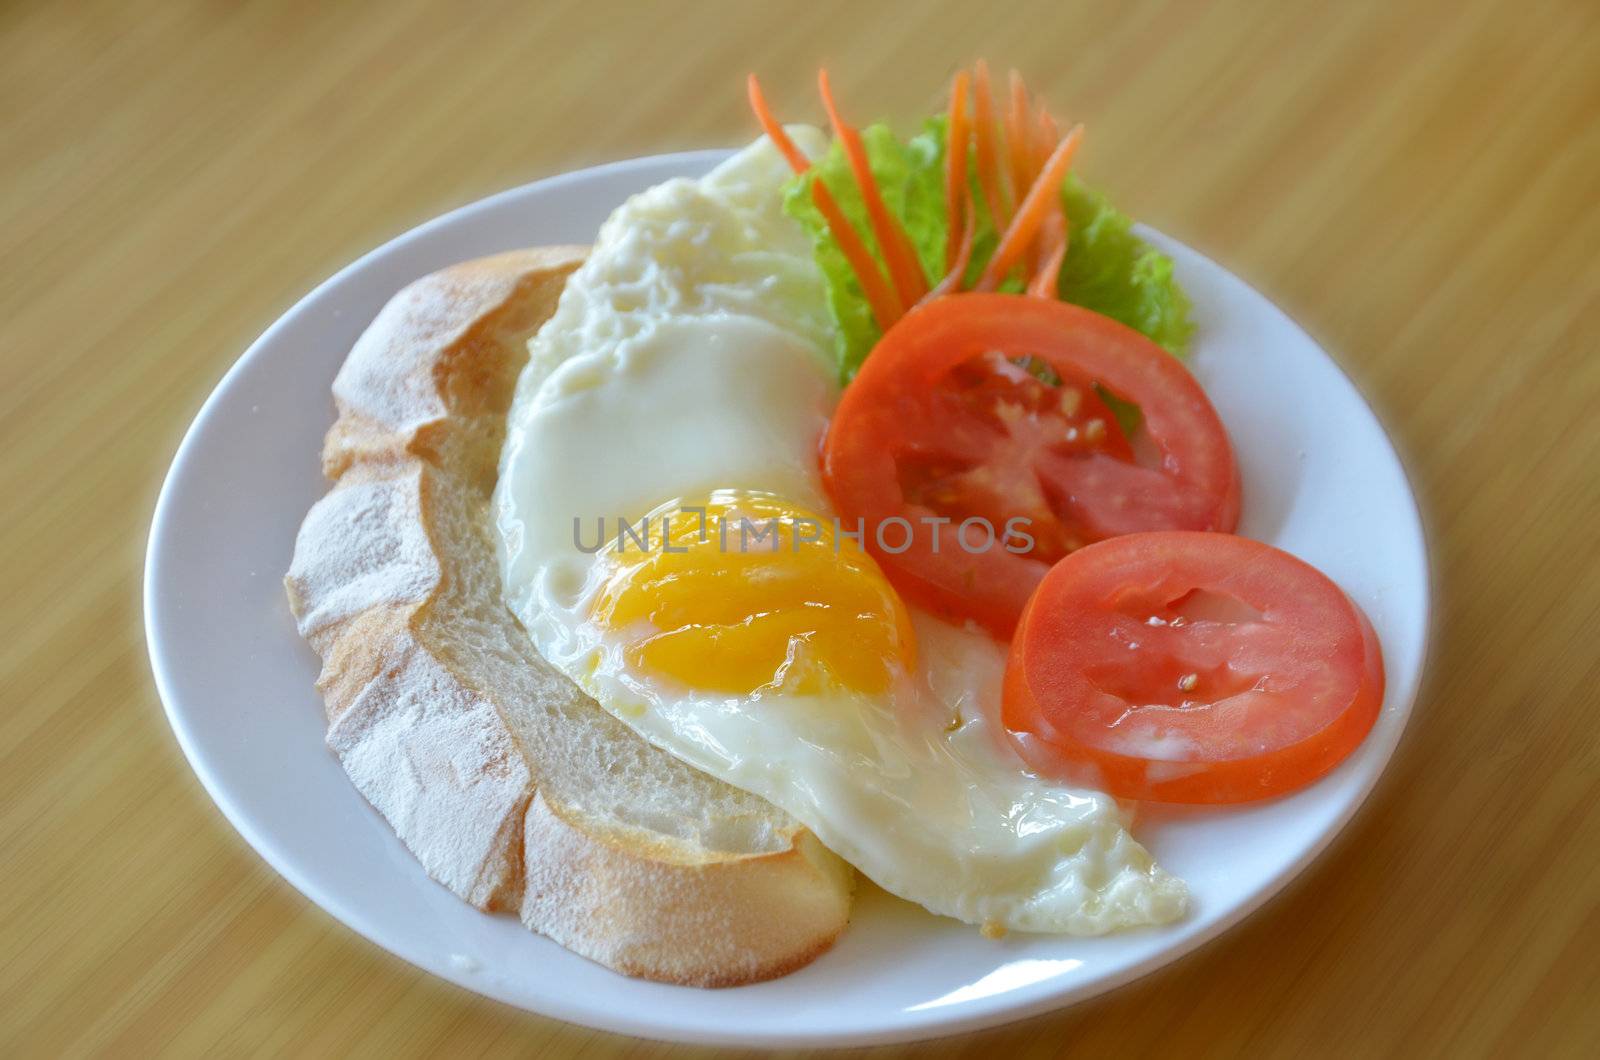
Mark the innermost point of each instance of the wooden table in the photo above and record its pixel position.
(1418, 184)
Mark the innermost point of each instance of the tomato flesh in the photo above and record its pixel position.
(980, 435)
(1190, 667)
(943, 425)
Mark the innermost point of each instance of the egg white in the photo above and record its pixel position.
(690, 354)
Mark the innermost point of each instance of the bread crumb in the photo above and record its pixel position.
(992, 929)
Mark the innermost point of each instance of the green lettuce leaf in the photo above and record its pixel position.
(1114, 272)
(910, 176)
(1107, 269)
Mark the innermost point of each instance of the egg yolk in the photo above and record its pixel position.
(744, 591)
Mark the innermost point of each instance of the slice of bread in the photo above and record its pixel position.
(511, 786)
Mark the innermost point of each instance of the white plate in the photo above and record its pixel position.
(1320, 479)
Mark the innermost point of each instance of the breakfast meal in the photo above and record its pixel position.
(848, 509)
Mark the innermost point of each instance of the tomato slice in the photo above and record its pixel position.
(1190, 667)
(943, 425)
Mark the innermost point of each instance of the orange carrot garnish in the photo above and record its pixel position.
(886, 307)
(990, 176)
(1019, 138)
(1052, 252)
(963, 257)
(1035, 206)
(1034, 224)
(904, 268)
(955, 165)
(769, 125)
(1051, 247)
(1044, 138)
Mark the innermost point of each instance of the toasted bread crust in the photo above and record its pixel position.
(395, 554)
(702, 922)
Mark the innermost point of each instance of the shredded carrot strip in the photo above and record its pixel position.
(1021, 151)
(1019, 139)
(958, 267)
(1035, 207)
(898, 254)
(769, 125)
(1052, 252)
(1038, 223)
(886, 306)
(1051, 246)
(959, 135)
(1045, 137)
(990, 176)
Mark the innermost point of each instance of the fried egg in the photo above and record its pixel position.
(666, 541)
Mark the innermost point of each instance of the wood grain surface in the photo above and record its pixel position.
(1417, 183)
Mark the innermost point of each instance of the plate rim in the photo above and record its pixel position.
(990, 1011)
